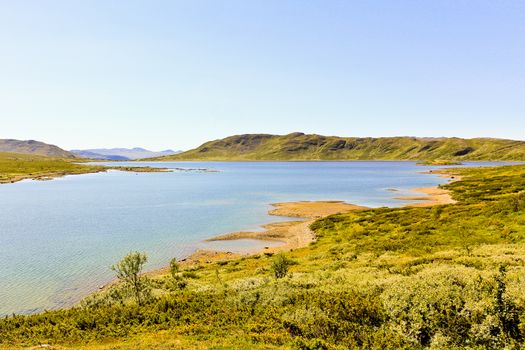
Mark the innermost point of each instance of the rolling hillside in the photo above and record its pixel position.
(299, 146)
(34, 148)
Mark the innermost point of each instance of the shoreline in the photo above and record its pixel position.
(293, 234)
(434, 195)
(154, 160)
(430, 196)
(47, 176)
(297, 234)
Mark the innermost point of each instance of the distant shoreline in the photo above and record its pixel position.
(415, 161)
(47, 176)
(58, 174)
(50, 175)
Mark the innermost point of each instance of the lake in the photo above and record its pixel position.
(58, 238)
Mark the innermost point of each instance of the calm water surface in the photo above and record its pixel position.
(58, 238)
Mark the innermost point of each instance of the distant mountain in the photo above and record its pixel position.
(121, 153)
(299, 146)
(33, 147)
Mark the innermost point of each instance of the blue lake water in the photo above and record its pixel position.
(58, 238)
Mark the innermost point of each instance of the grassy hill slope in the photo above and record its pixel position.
(444, 277)
(298, 146)
(33, 147)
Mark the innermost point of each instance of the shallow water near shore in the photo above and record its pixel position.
(58, 238)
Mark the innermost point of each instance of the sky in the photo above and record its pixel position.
(174, 74)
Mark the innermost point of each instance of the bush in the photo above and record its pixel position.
(189, 274)
(174, 268)
(280, 266)
(447, 307)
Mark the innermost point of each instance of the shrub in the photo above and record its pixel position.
(128, 270)
(189, 274)
(280, 266)
(174, 268)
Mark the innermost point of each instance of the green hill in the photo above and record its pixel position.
(299, 146)
(33, 147)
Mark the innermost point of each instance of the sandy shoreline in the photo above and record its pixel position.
(297, 234)
(432, 195)
(293, 234)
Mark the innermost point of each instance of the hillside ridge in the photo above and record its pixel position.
(33, 147)
(300, 146)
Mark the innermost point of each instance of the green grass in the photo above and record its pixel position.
(444, 277)
(14, 166)
(298, 146)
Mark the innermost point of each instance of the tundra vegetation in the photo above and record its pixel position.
(18, 166)
(442, 277)
(299, 146)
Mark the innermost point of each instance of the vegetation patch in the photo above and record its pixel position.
(16, 166)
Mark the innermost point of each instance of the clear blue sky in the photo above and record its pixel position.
(173, 74)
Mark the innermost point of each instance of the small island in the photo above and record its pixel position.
(140, 169)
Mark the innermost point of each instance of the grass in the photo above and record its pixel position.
(298, 146)
(444, 277)
(15, 166)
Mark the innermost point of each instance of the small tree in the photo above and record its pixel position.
(280, 266)
(128, 270)
(506, 311)
(174, 268)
